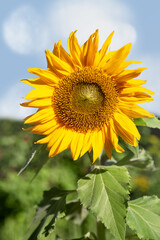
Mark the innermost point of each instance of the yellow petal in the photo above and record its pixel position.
(126, 128)
(129, 74)
(126, 123)
(66, 57)
(56, 50)
(95, 48)
(105, 46)
(96, 60)
(114, 137)
(108, 148)
(39, 92)
(41, 116)
(137, 97)
(97, 143)
(125, 65)
(113, 66)
(44, 140)
(131, 90)
(45, 128)
(130, 83)
(108, 145)
(55, 134)
(40, 103)
(58, 65)
(60, 52)
(50, 64)
(86, 143)
(136, 82)
(57, 146)
(134, 111)
(105, 59)
(33, 81)
(84, 48)
(76, 145)
(62, 143)
(49, 136)
(92, 48)
(46, 76)
(74, 49)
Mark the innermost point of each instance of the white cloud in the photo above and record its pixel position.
(87, 16)
(10, 104)
(27, 30)
(23, 31)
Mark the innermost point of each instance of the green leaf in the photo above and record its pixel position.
(75, 211)
(129, 152)
(132, 149)
(29, 159)
(105, 192)
(67, 229)
(51, 206)
(149, 122)
(87, 236)
(144, 161)
(130, 234)
(77, 222)
(38, 157)
(144, 217)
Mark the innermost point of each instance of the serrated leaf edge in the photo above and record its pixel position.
(131, 226)
(129, 187)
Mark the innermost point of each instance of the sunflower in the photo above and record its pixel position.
(86, 99)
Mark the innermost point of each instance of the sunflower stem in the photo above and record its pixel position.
(101, 231)
(132, 236)
(90, 154)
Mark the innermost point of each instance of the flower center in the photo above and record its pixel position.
(87, 97)
(85, 100)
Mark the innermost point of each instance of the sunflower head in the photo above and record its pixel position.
(86, 99)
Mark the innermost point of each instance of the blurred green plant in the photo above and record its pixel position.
(19, 195)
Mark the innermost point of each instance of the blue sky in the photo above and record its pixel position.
(29, 27)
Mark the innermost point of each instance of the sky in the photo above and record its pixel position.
(29, 27)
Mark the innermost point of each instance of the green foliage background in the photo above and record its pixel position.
(19, 195)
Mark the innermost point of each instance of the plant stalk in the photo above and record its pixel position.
(101, 231)
(132, 236)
